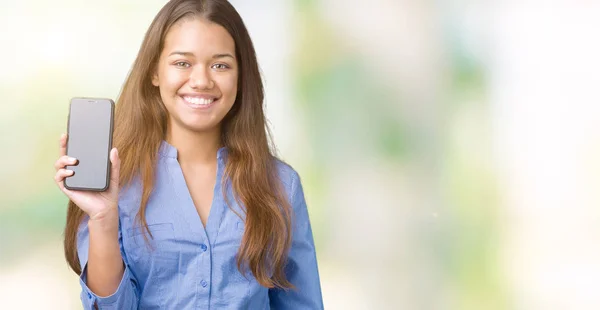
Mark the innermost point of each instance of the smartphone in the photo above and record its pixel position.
(90, 130)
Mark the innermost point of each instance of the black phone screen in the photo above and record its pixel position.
(89, 130)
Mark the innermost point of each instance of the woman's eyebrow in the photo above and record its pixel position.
(190, 54)
(182, 53)
(223, 56)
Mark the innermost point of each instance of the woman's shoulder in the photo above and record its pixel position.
(287, 174)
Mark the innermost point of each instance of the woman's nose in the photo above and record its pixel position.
(201, 79)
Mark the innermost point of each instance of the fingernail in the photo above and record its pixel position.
(71, 159)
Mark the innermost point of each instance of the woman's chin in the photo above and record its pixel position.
(197, 126)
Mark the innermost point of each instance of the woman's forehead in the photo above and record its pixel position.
(199, 36)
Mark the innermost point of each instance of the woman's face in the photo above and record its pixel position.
(197, 74)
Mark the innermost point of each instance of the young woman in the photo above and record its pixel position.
(199, 212)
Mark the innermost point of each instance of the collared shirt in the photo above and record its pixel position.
(188, 266)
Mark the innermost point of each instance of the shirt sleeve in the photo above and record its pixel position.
(126, 296)
(301, 269)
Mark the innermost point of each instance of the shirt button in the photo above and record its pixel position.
(89, 296)
(203, 247)
(203, 283)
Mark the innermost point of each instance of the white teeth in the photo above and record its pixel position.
(198, 101)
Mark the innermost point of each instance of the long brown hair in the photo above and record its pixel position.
(140, 126)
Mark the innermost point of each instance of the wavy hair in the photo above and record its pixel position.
(140, 126)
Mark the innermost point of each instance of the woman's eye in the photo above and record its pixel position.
(220, 66)
(182, 64)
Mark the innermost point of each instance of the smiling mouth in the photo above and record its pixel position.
(199, 101)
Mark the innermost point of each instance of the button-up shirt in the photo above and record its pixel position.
(189, 266)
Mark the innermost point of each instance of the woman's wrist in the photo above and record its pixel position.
(105, 221)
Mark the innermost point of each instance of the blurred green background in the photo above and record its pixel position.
(448, 149)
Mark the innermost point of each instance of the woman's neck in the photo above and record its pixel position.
(194, 147)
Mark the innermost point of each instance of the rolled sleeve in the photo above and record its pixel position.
(123, 298)
(301, 269)
(126, 295)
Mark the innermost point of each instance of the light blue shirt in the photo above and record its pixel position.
(189, 266)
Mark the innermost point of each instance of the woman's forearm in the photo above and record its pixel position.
(105, 265)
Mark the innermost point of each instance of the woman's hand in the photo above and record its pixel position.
(96, 204)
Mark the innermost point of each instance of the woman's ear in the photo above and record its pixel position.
(155, 78)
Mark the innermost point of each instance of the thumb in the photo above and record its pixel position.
(115, 167)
